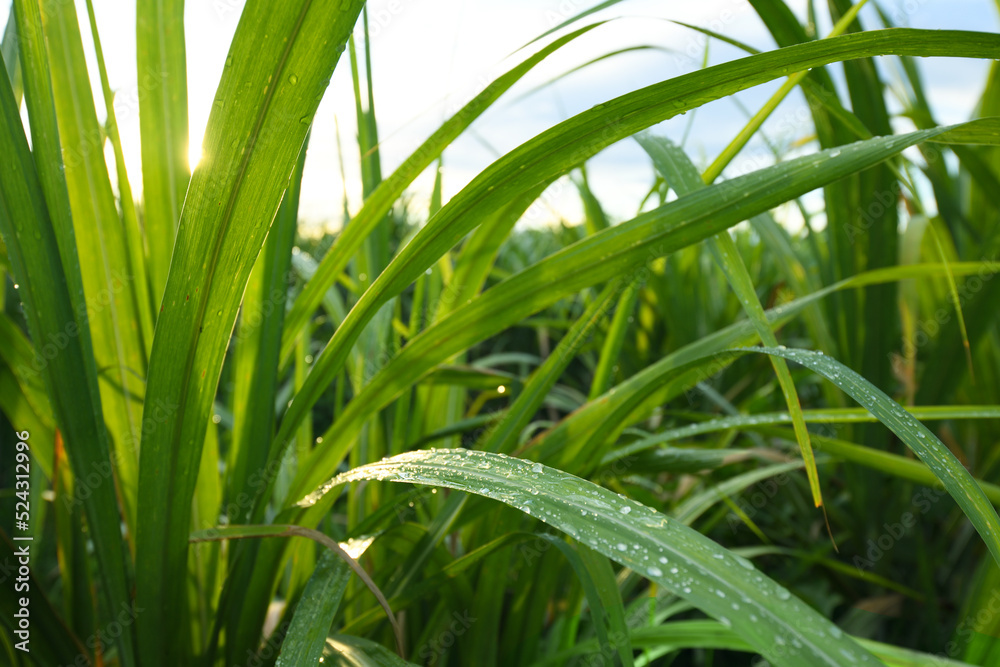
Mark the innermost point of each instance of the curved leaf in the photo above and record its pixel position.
(728, 587)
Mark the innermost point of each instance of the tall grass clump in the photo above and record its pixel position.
(691, 437)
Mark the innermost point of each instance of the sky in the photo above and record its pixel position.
(431, 56)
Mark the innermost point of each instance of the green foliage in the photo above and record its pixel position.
(595, 462)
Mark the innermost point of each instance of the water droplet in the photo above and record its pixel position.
(537, 467)
(626, 509)
(655, 571)
(293, 79)
(621, 547)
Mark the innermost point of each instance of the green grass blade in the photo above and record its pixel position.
(133, 236)
(256, 345)
(827, 416)
(39, 251)
(692, 566)
(11, 57)
(893, 465)
(598, 257)
(946, 467)
(108, 280)
(504, 437)
(566, 145)
(161, 66)
(674, 165)
(615, 339)
(267, 97)
(306, 638)
(610, 605)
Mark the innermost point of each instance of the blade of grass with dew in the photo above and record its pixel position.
(893, 465)
(661, 549)
(678, 635)
(878, 244)
(823, 416)
(306, 637)
(40, 250)
(646, 388)
(593, 259)
(503, 437)
(824, 100)
(610, 605)
(565, 146)
(939, 459)
(945, 466)
(681, 174)
(267, 97)
(161, 67)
